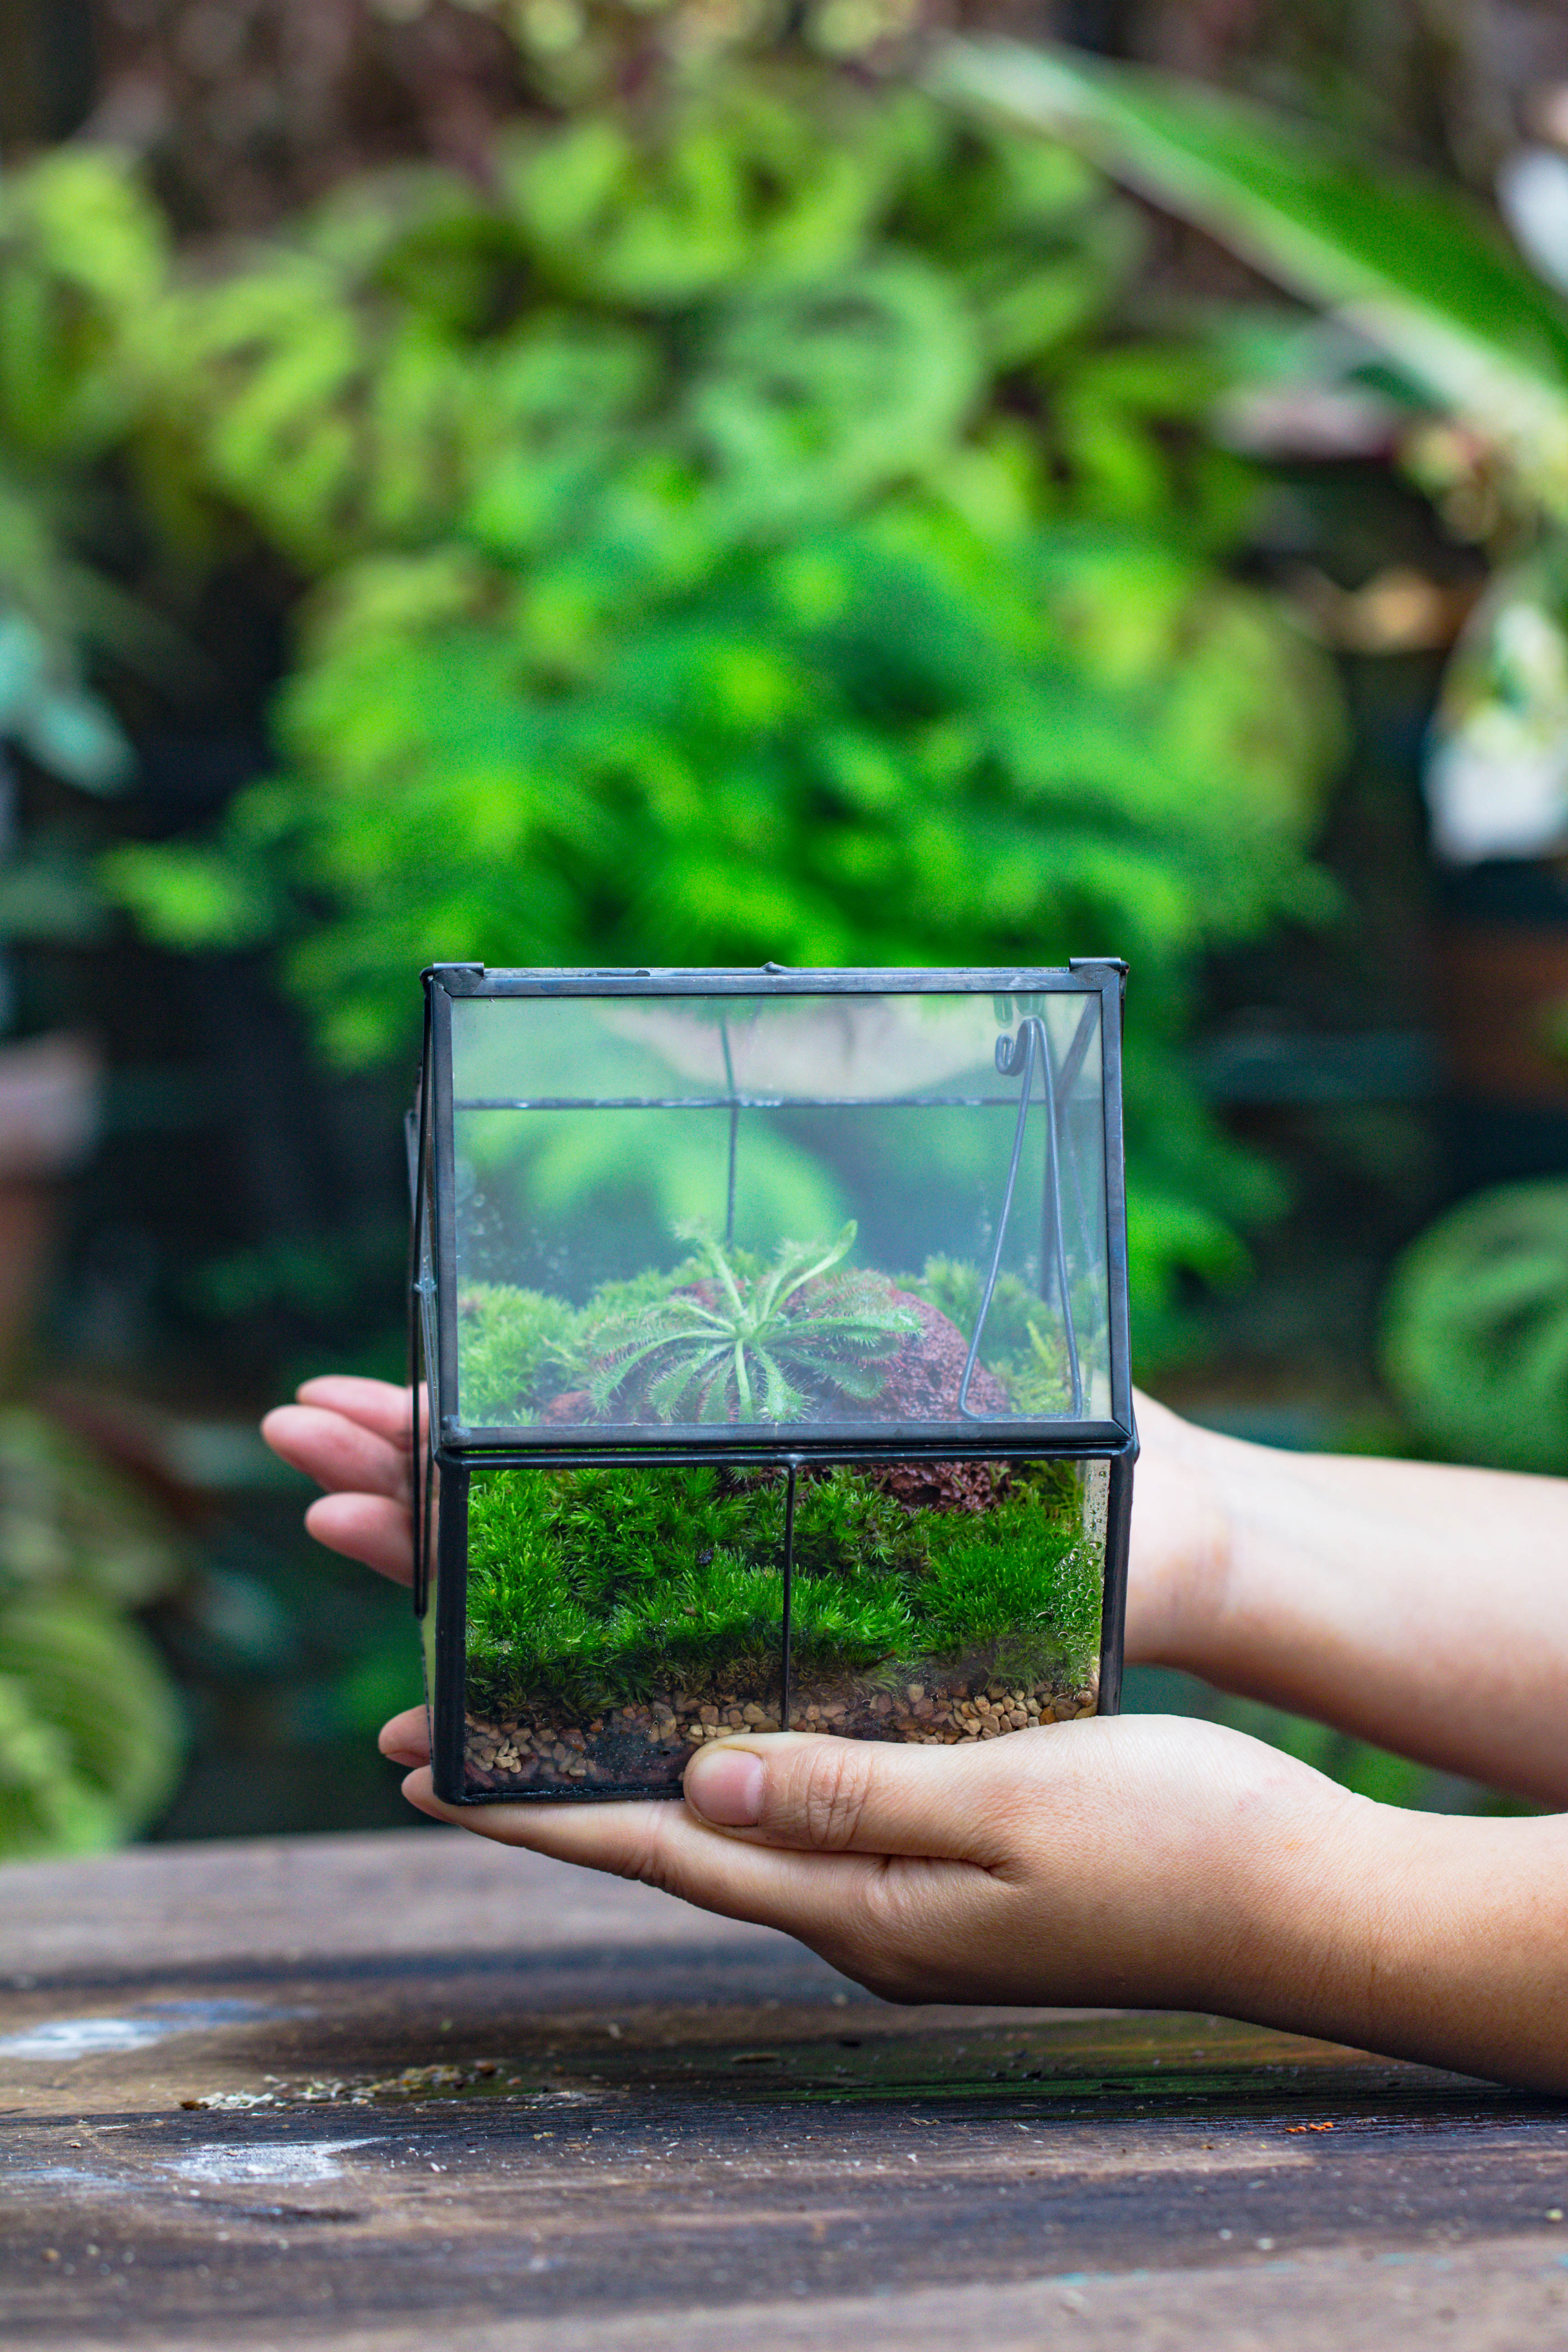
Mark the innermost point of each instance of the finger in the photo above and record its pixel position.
(824, 1899)
(371, 1529)
(863, 1796)
(375, 1405)
(406, 1738)
(338, 1453)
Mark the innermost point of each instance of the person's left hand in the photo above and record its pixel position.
(1141, 1862)
(1147, 1860)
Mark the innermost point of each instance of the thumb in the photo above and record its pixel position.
(856, 1796)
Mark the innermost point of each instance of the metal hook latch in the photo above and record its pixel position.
(1018, 1054)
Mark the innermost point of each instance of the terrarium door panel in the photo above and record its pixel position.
(811, 1215)
(617, 1617)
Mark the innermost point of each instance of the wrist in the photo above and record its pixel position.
(1251, 1881)
(1309, 1924)
(1183, 1546)
(1225, 1876)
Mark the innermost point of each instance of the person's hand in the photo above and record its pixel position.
(352, 1437)
(1143, 1861)
(1146, 1862)
(1090, 1862)
(1181, 1554)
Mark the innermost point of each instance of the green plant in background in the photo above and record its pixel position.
(90, 1731)
(757, 527)
(79, 253)
(1424, 285)
(738, 1349)
(1415, 269)
(1476, 1330)
(1477, 1314)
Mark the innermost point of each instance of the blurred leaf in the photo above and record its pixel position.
(94, 1679)
(189, 899)
(1476, 1330)
(1415, 268)
(46, 1807)
(90, 1732)
(74, 737)
(65, 1520)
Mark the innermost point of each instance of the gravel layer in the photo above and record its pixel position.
(646, 1746)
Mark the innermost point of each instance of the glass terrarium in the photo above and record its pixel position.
(770, 1363)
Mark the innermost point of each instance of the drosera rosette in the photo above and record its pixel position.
(732, 1346)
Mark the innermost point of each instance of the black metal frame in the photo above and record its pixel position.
(445, 1452)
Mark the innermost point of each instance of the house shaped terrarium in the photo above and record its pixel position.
(770, 1363)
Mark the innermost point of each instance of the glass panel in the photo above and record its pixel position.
(617, 1617)
(849, 1212)
(947, 1601)
(426, 1469)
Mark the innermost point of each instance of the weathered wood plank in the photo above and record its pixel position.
(624, 2123)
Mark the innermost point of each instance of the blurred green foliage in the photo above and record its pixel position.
(90, 1730)
(76, 247)
(755, 527)
(1415, 269)
(77, 250)
(1476, 1340)
(1476, 1330)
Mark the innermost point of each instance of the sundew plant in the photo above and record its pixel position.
(753, 1348)
(798, 1330)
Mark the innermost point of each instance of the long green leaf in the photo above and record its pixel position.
(1423, 275)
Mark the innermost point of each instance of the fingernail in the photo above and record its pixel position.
(725, 1786)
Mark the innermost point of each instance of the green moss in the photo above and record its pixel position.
(516, 1348)
(604, 1584)
(1022, 1343)
(1023, 1578)
(595, 1585)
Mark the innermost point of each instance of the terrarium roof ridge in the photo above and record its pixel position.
(1080, 975)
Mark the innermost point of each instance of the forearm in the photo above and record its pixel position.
(1413, 1604)
(1436, 1939)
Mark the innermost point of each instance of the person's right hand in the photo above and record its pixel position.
(1180, 1558)
(354, 1437)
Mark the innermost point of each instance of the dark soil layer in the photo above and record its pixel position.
(644, 1748)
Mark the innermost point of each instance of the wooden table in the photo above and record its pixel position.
(411, 2090)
